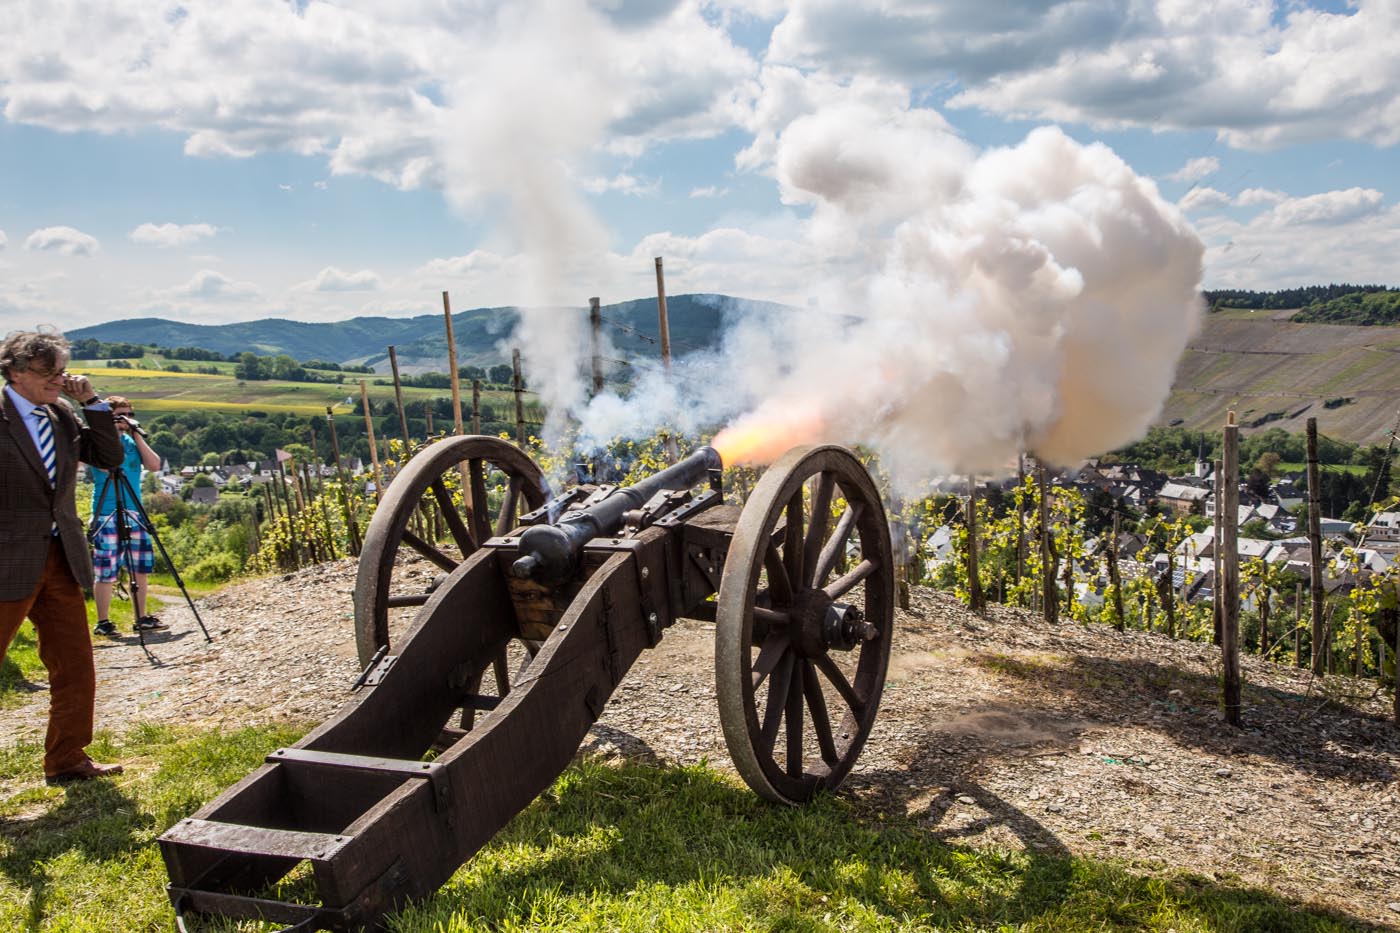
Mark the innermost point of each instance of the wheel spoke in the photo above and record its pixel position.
(465, 542)
(771, 616)
(816, 531)
(836, 545)
(843, 585)
(429, 551)
(821, 722)
(481, 523)
(777, 702)
(842, 685)
(793, 718)
(506, 520)
(773, 650)
(792, 538)
(400, 602)
(779, 586)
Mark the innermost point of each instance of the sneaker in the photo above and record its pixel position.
(148, 624)
(105, 627)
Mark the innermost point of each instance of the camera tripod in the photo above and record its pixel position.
(124, 496)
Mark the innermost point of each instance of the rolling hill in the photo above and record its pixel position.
(1274, 372)
(420, 343)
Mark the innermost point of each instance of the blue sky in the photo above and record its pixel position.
(213, 162)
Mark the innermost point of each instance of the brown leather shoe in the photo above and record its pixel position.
(84, 772)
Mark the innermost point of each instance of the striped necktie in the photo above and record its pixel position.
(46, 448)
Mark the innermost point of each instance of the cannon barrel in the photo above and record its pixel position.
(550, 552)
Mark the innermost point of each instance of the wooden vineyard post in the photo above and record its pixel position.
(373, 447)
(899, 532)
(1315, 549)
(1230, 560)
(595, 329)
(1020, 518)
(452, 364)
(1114, 579)
(291, 513)
(352, 527)
(1050, 598)
(1264, 610)
(517, 383)
(476, 406)
(398, 401)
(977, 600)
(1218, 547)
(663, 327)
(463, 471)
(1167, 591)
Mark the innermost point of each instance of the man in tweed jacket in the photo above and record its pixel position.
(44, 560)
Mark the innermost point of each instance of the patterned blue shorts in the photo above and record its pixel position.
(107, 558)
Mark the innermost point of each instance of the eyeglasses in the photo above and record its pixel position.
(49, 373)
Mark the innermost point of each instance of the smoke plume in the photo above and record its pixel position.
(979, 304)
(1031, 298)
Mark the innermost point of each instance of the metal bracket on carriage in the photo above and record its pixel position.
(710, 497)
(377, 672)
(551, 510)
(664, 502)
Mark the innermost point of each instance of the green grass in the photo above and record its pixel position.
(609, 847)
(1354, 468)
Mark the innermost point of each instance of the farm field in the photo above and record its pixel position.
(156, 391)
(1275, 373)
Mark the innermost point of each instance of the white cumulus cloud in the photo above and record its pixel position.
(332, 279)
(361, 84)
(1196, 169)
(1203, 198)
(64, 240)
(169, 235)
(627, 184)
(1330, 207)
(208, 285)
(1261, 74)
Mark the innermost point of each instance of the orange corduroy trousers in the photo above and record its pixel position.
(59, 614)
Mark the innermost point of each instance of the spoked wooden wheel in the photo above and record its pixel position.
(804, 624)
(425, 513)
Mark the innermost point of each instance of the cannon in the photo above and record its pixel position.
(537, 607)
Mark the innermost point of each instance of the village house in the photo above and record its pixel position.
(1384, 527)
(1183, 499)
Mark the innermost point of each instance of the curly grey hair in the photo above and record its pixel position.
(23, 348)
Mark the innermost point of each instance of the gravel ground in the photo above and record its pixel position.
(996, 730)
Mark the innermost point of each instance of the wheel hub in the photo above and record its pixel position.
(819, 624)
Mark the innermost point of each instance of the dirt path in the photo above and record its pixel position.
(993, 731)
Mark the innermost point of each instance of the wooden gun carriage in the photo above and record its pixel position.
(463, 717)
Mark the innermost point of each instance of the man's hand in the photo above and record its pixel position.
(78, 387)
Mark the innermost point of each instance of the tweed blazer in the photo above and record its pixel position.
(29, 506)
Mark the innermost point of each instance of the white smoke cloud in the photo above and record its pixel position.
(1031, 298)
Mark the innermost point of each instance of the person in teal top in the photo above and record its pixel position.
(108, 548)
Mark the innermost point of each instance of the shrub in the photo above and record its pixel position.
(214, 569)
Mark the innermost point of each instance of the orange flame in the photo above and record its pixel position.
(762, 437)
